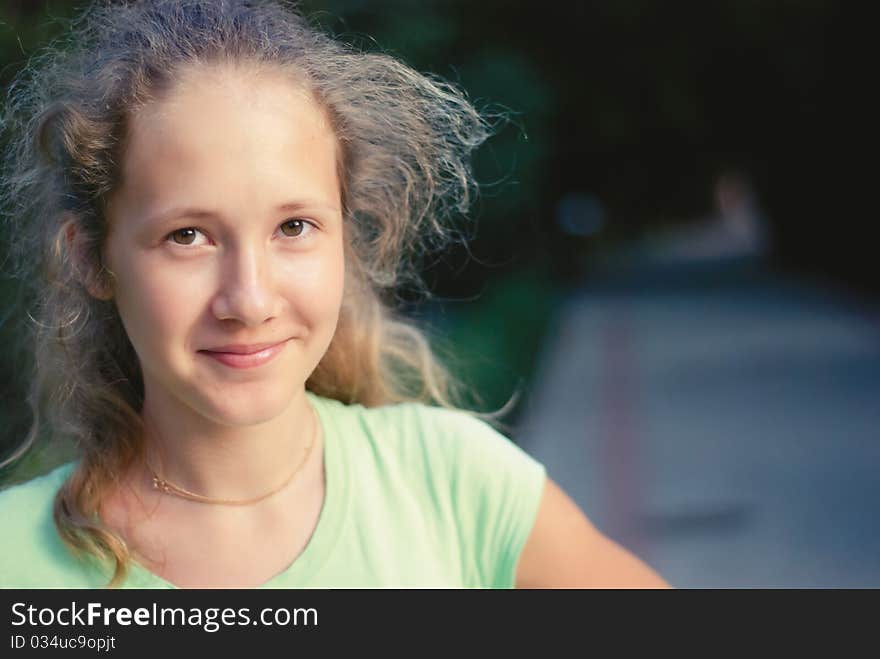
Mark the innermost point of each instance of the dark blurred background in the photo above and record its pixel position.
(696, 158)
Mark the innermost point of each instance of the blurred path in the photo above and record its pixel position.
(720, 421)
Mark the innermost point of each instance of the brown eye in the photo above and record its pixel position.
(183, 236)
(292, 227)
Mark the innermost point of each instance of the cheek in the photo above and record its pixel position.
(155, 306)
(314, 285)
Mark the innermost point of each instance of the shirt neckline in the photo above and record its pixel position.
(324, 537)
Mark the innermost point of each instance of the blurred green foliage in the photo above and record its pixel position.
(495, 341)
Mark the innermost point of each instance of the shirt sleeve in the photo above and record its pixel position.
(496, 490)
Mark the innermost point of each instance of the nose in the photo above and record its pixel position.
(247, 291)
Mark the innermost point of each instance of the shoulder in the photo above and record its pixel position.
(444, 449)
(24, 503)
(452, 439)
(477, 484)
(494, 486)
(32, 554)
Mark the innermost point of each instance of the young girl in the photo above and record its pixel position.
(222, 200)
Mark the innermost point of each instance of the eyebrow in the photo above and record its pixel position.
(306, 204)
(195, 212)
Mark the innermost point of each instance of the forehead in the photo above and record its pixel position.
(222, 127)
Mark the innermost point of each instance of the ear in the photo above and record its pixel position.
(89, 274)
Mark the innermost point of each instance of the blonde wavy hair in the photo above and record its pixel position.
(405, 142)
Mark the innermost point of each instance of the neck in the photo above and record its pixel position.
(226, 462)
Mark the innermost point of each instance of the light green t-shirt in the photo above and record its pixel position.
(417, 497)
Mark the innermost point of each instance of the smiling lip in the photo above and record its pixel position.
(245, 356)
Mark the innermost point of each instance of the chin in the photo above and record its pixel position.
(247, 408)
(243, 414)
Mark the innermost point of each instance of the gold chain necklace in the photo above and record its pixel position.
(167, 487)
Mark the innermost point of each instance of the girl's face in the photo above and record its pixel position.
(226, 244)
